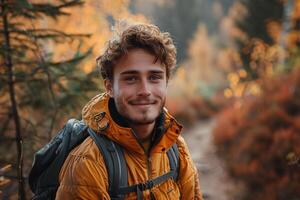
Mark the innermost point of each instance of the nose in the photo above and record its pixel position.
(144, 88)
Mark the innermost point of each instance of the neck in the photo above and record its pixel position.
(143, 132)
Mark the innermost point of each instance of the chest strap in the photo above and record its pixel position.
(138, 188)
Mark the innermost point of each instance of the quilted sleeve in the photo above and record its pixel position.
(188, 176)
(83, 175)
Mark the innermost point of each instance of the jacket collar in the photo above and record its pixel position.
(101, 115)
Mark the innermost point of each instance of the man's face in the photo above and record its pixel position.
(139, 87)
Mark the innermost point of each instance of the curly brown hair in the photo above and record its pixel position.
(144, 36)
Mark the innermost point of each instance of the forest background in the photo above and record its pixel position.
(238, 65)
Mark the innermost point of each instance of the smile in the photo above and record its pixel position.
(143, 103)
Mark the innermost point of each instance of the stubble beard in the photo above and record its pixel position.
(144, 120)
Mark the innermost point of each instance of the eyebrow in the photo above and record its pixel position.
(137, 72)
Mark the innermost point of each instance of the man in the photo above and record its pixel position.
(136, 67)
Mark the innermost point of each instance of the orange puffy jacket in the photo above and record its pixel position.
(84, 175)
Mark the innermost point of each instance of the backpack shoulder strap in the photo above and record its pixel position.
(173, 155)
(114, 161)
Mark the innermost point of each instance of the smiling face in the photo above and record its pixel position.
(138, 87)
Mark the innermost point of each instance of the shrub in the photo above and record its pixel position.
(259, 140)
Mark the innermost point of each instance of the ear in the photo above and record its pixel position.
(109, 87)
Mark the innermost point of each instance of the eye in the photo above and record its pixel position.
(155, 77)
(130, 79)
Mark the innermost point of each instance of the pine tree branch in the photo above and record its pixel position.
(19, 142)
(70, 61)
(49, 81)
(54, 11)
(46, 33)
(39, 10)
(21, 77)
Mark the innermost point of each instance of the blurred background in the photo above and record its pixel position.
(236, 87)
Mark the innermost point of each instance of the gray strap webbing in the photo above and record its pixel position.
(146, 185)
(114, 161)
(173, 155)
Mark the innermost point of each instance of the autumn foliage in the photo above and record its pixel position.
(260, 142)
(189, 110)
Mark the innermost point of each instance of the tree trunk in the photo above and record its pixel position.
(9, 65)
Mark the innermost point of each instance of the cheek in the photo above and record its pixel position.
(123, 91)
(160, 91)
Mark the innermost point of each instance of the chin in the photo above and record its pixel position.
(143, 120)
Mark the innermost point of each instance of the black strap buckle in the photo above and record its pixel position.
(150, 184)
(146, 186)
(142, 186)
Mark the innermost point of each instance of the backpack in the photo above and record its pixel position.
(44, 174)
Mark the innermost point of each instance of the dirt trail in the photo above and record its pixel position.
(214, 183)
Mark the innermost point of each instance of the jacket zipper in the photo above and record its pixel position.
(149, 172)
(148, 161)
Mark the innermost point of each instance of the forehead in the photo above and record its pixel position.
(139, 61)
